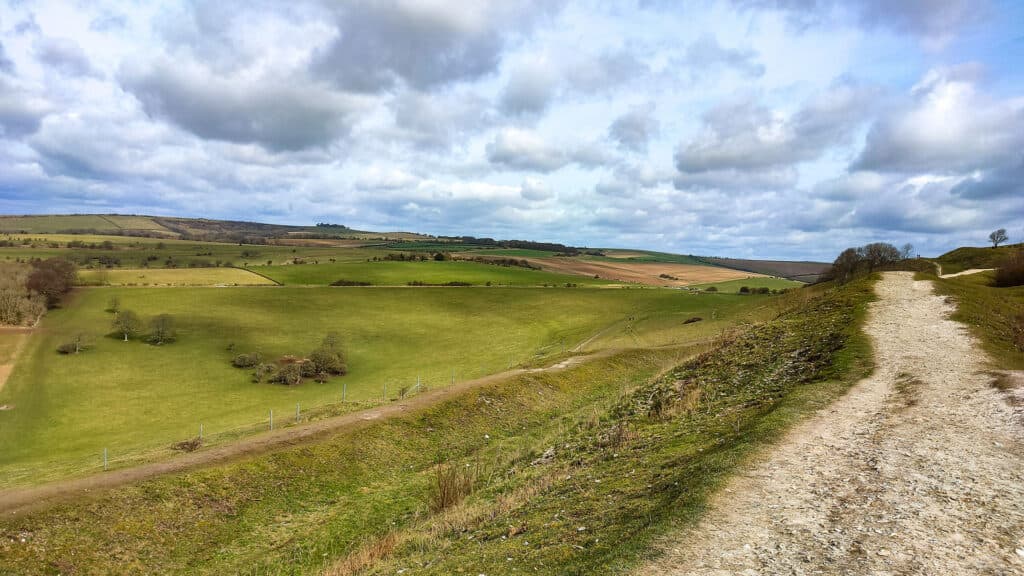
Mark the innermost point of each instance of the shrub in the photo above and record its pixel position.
(289, 375)
(692, 320)
(451, 485)
(744, 289)
(264, 373)
(711, 289)
(350, 283)
(763, 290)
(1011, 271)
(190, 445)
(161, 329)
(247, 360)
(67, 348)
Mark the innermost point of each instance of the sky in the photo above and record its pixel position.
(746, 128)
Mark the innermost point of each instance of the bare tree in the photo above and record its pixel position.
(127, 323)
(998, 237)
(161, 329)
(907, 251)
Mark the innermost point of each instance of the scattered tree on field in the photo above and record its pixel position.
(127, 324)
(76, 345)
(998, 237)
(18, 305)
(867, 258)
(114, 304)
(161, 329)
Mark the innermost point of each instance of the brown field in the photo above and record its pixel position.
(624, 254)
(801, 271)
(324, 242)
(642, 272)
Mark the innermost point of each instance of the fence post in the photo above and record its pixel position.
(200, 431)
(344, 390)
(271, 418)
(296, 412)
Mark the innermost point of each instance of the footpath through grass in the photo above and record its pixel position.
(569, 472)
(136, 399)
(996, 315)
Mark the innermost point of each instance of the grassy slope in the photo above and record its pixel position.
(297, 510)
(733, 286)
(969, 257)
(623, 478)
(996, 315)
(391, 273)
(135, 252)
(132, 397)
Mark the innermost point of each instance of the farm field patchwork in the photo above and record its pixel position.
(172, 277)
(395, 273)
(650, 273)
(133, 397)
(733, 286)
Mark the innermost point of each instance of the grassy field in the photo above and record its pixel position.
(361, 499)
(393, 273)
(733, 286)
(133, 397)
(129, 252)
(172, 277)
(971, 257)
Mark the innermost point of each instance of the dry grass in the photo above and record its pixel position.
(365, 556)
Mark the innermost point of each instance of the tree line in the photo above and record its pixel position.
(29, 289)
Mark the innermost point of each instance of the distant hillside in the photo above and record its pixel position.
(186, 228)
(974, 257)
(800, 271)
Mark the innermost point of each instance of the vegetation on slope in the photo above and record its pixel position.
(968, 257)
(595, 498)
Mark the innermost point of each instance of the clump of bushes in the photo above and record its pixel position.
(711, 289)
(1011, 271)
(325, 361)
(78, 344)
(692, 320)
(667, 277)
(250, 360)
(350, 283)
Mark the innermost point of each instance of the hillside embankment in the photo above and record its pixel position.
(917, 470)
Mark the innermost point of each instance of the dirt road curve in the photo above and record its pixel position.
(919, 469)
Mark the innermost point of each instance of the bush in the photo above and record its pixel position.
(711, 289)
(161, 329)
(350, 283)
(1011, 271)
(744, 289)
(452, 483)
(288, 374)
(264, 373)
(692, 320)
(247, 360)
(763, 290)
(67, 348)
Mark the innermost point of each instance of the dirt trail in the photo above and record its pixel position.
(919, 469)
(964, 273)
(20, 500)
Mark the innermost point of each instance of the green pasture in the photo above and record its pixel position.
(395, 273)
(172, 277)
(733, 286)
(132, 397)
(969, 257)
(131, 252)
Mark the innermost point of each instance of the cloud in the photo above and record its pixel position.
(425, 44)
(746, 136)
(279, 114)
(535, 190)
(634, 129)
(932, 19)
(20, 110)
(707, 54)
(436, 121)
(605, 71)
(524, 150)
(530, 89)
(64, 55)
(946, 127)
(6, 65)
